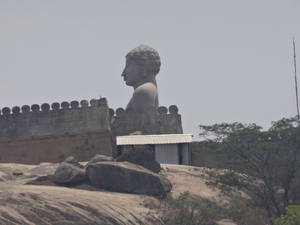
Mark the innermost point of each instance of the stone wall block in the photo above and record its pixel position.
(45, 107)
(162, 110)
(55, 106)
(102, 101)
(120, 112)
(39, 122)
(84, 103)
(65, 105)
(25, 109)
(6, 111)
(16, 110)
(130, 112)
(94, 102)
(151, 111)
(35, 108)
(74, 104)
(147, 122)
(173, 109)
(111, 112)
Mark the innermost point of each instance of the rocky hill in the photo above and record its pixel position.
(46, 203)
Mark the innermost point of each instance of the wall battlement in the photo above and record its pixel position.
(65, 118)
(54, 106)
(36, 134)
(47, 133)
(162, 121)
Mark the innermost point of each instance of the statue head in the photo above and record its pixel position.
(141, 62)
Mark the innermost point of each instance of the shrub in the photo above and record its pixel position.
(242, 214)
(292, 216)
(184, 210)
(230, 179)
(143, 156)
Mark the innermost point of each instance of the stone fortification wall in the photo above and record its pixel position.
(82, 147)
(42, 133)
(45, 133)
(65, 118)
(164, 121)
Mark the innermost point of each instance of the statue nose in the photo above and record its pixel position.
(123, 73)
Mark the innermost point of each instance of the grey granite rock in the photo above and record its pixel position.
(69, 174)
(127, 177)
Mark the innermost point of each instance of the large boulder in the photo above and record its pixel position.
(99, 158)
(68, 174)
(73, 161)
(127, 177)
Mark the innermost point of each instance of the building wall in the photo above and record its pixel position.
(186, 154)
(164, 121)
(167, 153)
(35, 123)
(82, 147)
(33, 135)
(51, 133)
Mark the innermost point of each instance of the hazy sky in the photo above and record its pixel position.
(222, 61)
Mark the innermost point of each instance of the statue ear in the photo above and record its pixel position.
(144, 66)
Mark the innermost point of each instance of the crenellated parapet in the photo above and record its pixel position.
(57, 119)
(54, 106)
(52, 132)
(163, 121)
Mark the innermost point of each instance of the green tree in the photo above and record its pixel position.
(183, 210)
(271, 159)
(292, 216)
(242, 214)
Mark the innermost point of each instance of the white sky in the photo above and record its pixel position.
(222, 61)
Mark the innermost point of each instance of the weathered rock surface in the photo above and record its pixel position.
(17, 172)
(4, 176)
(7, 171)
(54, 205)
(73, 162)
(43, 169)
(128, 178)
(50, 205)
(69, 174)
(99, 158)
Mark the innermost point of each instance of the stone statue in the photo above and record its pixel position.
(142, 65)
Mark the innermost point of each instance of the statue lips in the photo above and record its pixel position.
(124, 76)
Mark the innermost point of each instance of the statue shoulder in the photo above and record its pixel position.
(144, 97)
(146, 89)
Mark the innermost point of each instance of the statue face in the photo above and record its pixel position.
(132, 73)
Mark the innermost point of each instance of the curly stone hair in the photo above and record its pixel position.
(152, 56)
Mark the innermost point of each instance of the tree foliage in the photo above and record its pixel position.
(242, 214)
(270, 158)
(292, 216)
(184, 210)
